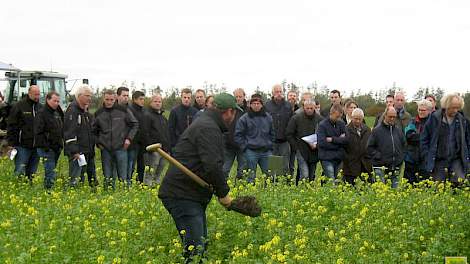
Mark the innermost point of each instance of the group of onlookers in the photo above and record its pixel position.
(435, 144)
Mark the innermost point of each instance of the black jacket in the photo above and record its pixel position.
(78, 131)
(201, 150)
(156, 129)
(230, 134)
(281, 113)
(301, 125)
(356, 151)
(386, 146)
(21, 123)
(336, 149)
(139, 114)
(50, 128)
(180, 118)
(113, 126)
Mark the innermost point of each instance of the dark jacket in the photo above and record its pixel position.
(356, 151)
(201, 150)
(334, 150)
(386, 146)
(429, 139)
(139, 114)
(156, 129)
(4, 112)
(78, 131)
(113, 126)
(412, 135)
(180, 118)
(50, 128)
(230, 134)
(281, 113)
(301, 125)
(21, 123)
(255, 131)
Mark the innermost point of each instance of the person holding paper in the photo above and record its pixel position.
(79, 138)
(301, 133)
(332, 142)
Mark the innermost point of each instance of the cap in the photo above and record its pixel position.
(225, 101)
(256, 98)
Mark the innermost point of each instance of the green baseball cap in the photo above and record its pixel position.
(225, 101)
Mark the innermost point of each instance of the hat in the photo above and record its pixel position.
(225, 101)
(256, 98)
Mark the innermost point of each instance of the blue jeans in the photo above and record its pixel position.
(391, 174)
(229, 157)
(49, 159)
(189, 216)
(307, 169)
(114, 160)
(331, 169)
(253, 158)
(26, 161)
(75, 171)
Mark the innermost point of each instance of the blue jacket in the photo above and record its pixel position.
(412, 135)
(255, 131)
(429, 139)
(335, 150)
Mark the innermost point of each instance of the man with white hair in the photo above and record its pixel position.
(21, 125)
(445, 142)
(357, 161)
(79, 138)
(414, 165)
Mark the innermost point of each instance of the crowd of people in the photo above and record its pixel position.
(433, 145)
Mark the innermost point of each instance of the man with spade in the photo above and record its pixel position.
(199, 150)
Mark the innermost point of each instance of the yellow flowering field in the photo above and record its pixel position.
(300, 224)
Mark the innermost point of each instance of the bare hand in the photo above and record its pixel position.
(76, 156)
(343, 135)
(313, 146)
(225, 201)
(329, 139)
(127, 143)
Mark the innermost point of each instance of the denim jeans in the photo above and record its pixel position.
(189, 216)
(307, 169)
(253, 158)
(384, 174)
(229, 157)
(155, 163)
(49, 159)
(75, 171)
(136, 155)
(283, 149)
(26, 161)
(114, 161)
(331, 169)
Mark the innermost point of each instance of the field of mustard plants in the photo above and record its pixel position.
(308, 223)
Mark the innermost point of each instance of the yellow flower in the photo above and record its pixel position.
(100, 259)
(331, 234)
(191, 247)
(218, 236)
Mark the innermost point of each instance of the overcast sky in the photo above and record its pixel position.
(341, 43)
